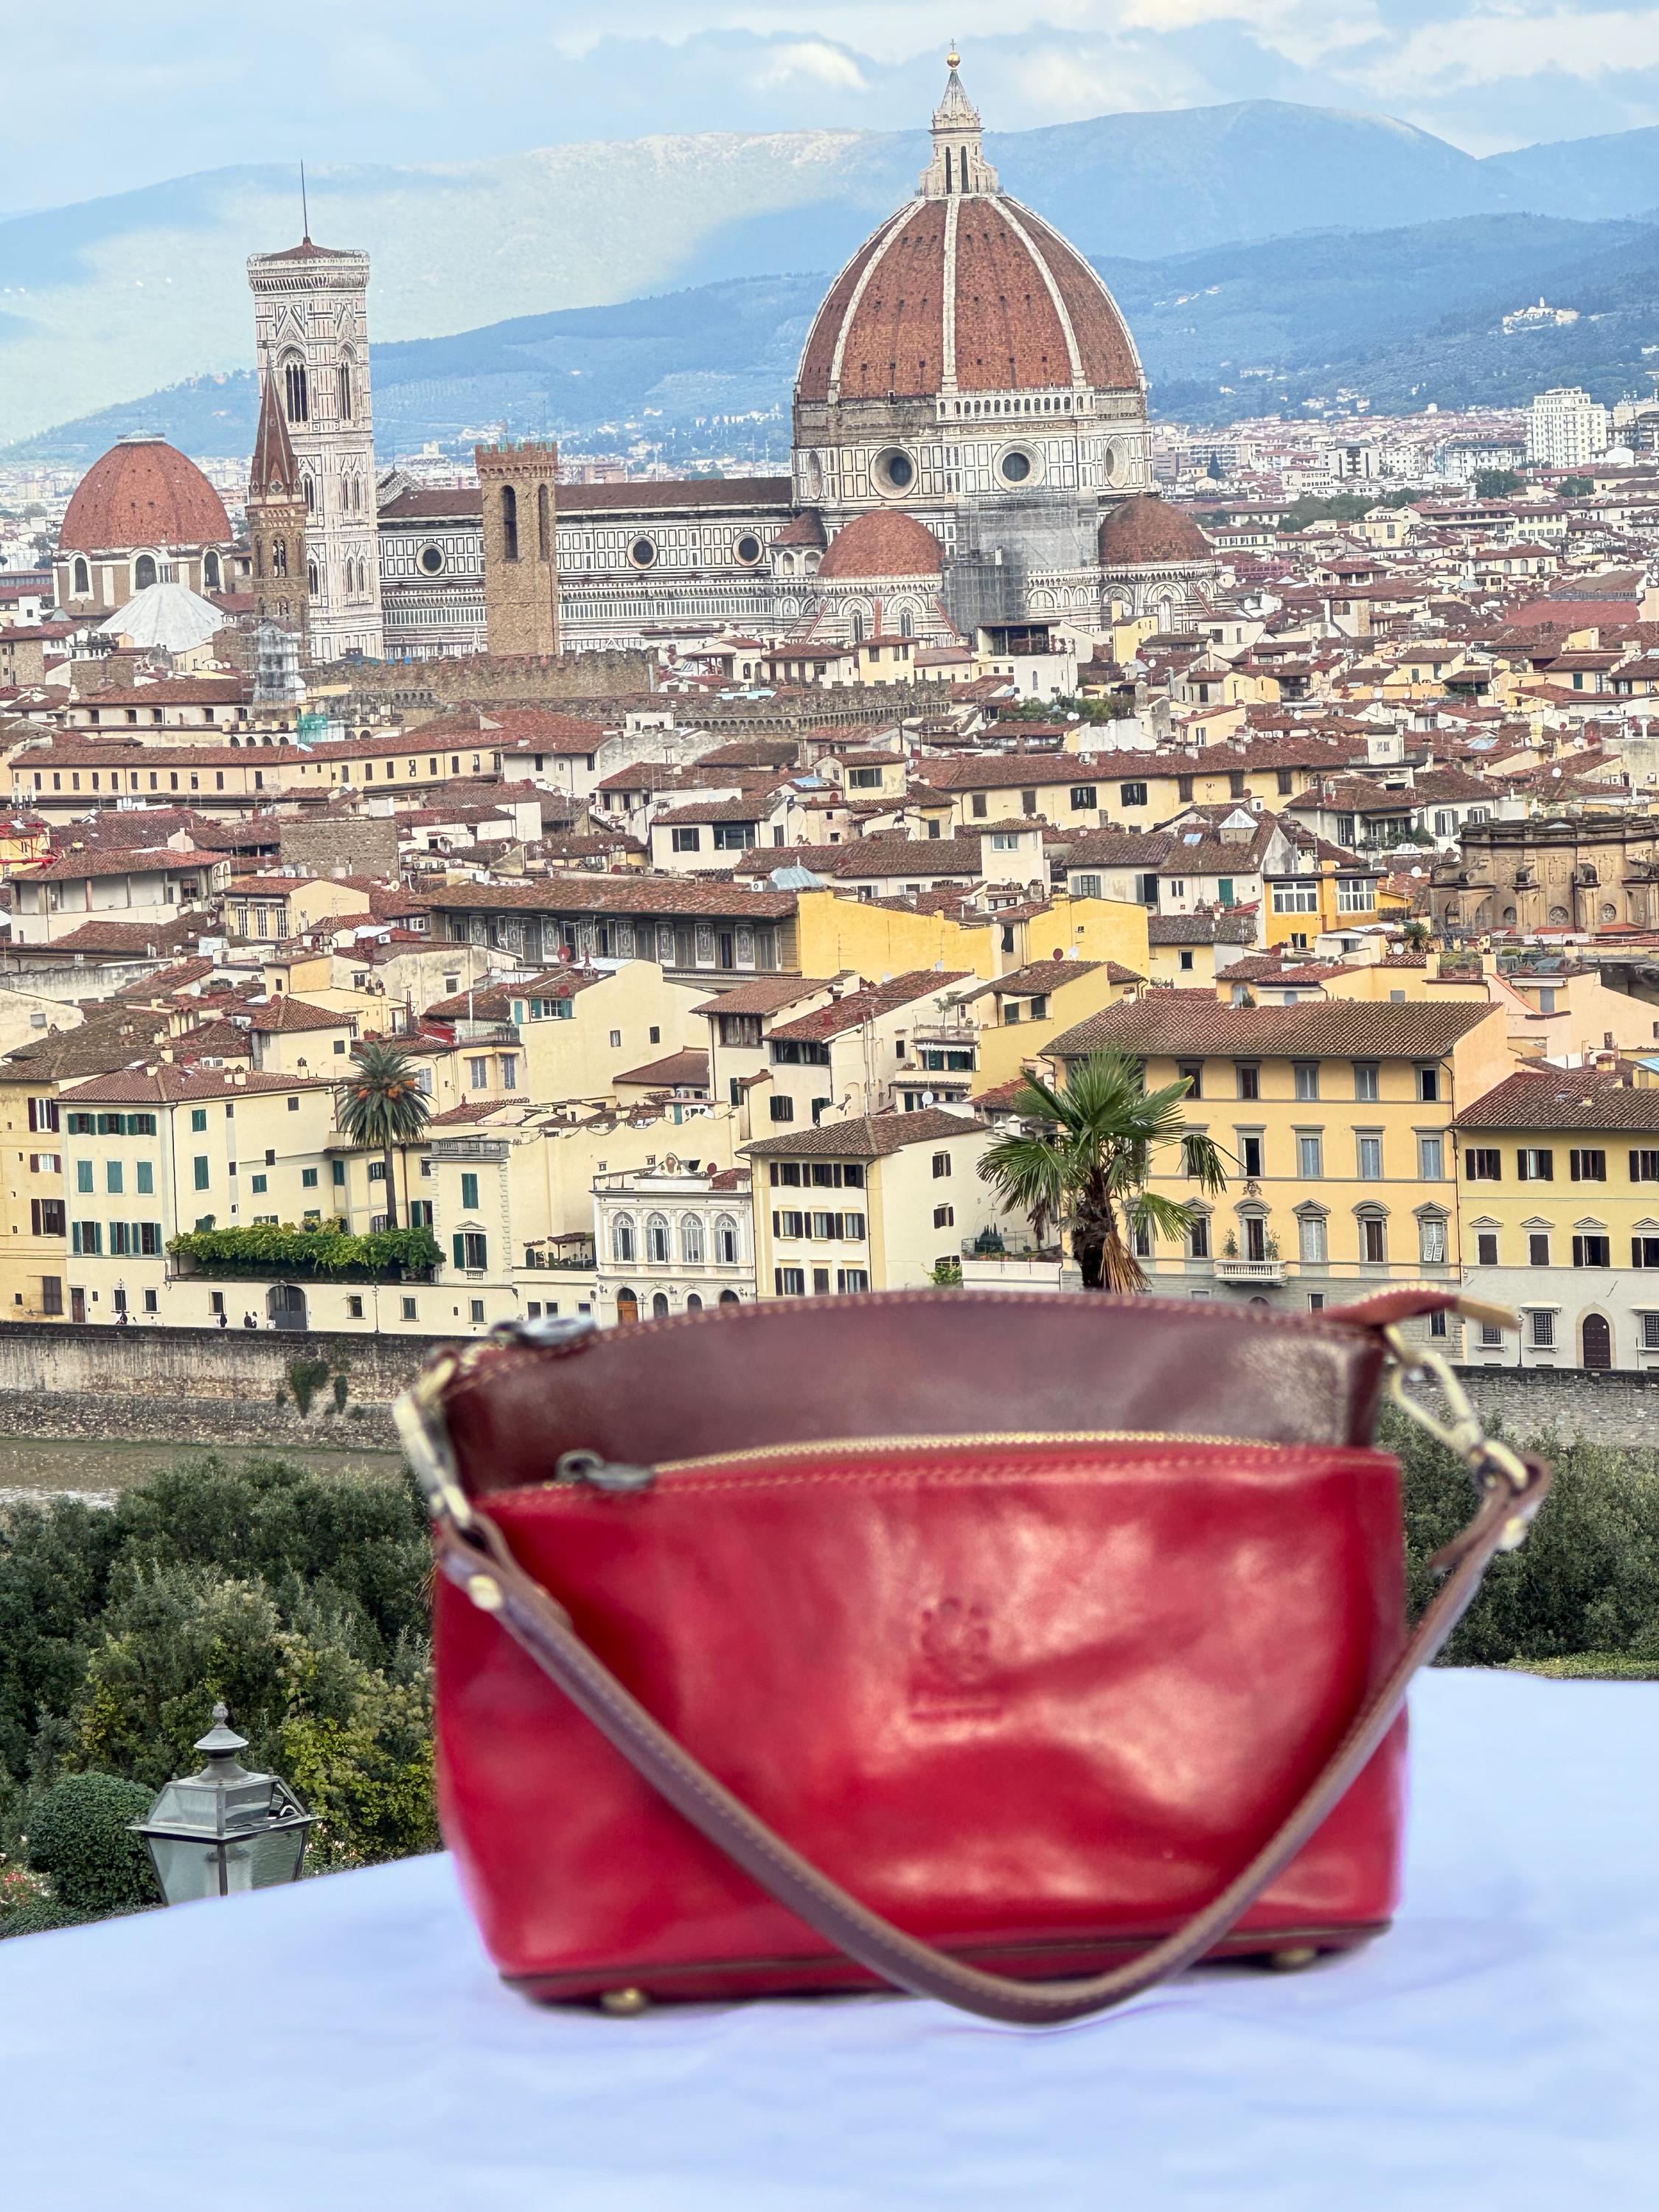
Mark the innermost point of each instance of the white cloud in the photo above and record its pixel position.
(1303, 30)
(815, 60)
(1499, 44)
(1066, 84)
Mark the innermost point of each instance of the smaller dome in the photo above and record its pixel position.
(1146, 531)
(142, 492)
(169, 615)
(883, 542)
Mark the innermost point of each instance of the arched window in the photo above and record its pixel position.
(509, 523)
(312, 579)
(659, 1307)
(725, 1241)
(342, 378)
(82, 584)
(279, 556)
(210, 575)
(543, 523)
(1431, 1240)
(691, 1247)
(906, 623)
(730, 1299)
(296, 391)
(622, 1242)
(656, 1239)
(143, 572)
(311, 494)
(858, 629)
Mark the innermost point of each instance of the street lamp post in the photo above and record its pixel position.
(224, 1830)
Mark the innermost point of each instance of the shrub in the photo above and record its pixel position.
(306, 1378)
(40, 1918)
(1587, 1579)
(327, 1250)
(78, 1836)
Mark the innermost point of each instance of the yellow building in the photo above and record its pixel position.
(1019, 1014)
(876, 1204)
(1335, 1122)
(1559, 1205)
(833, 935)
(1320, 894)
(33, 1214)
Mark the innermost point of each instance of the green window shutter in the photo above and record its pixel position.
(460, 1249)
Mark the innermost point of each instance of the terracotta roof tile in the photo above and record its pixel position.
(874, 1138)
(1196, 1022)
(1564, 1098)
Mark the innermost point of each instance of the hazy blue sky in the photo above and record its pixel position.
(113, 96)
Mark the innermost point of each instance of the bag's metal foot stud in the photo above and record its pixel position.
(1292, 1961)
(624, 2004)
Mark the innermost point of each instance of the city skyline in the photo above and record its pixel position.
(1488, 75)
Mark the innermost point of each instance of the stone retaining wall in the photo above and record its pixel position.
(233, 1386)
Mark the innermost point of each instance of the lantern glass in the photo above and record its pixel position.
(224, 1830)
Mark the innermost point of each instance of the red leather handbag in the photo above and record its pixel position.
(1018, 1651)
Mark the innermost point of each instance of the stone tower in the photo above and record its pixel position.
(311, 325)
(276, 521)
(518, 485)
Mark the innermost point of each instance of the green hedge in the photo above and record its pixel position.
(78, 1834)
(1592, 1666)
(327, 1251)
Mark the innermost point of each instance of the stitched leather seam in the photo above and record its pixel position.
(889, 1476)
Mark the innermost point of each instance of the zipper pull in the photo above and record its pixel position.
(586, 1469)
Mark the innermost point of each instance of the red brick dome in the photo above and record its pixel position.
(1025, 310)
(883, 543)
(142, 492)
(1146, 531)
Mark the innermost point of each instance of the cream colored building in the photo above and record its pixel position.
(671, 1239)
(878, 1203)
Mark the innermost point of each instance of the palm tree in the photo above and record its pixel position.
(380, 1105)
(1086, 1166)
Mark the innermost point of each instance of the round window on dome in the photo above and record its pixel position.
(749, 549)
(643, 553)
(1112, 462)
(1017, 465)
(432, 560)
(895, 472)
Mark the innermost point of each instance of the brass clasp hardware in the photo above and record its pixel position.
(1463, 1430)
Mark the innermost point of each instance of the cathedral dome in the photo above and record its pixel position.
(142, 492)
(965, 290)
(1146, 531)
(883, 543)
(975, 290)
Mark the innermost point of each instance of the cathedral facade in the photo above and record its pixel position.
(970, 454)
(970, 457)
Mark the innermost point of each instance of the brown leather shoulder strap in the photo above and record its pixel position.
(480, 1561)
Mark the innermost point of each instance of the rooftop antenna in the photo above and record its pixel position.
(305, 205)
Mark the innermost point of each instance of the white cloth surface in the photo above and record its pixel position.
(344, 2044)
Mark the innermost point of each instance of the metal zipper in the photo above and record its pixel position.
(589, 1469)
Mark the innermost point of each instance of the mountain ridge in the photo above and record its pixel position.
(1224, 332)
(158, 273)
